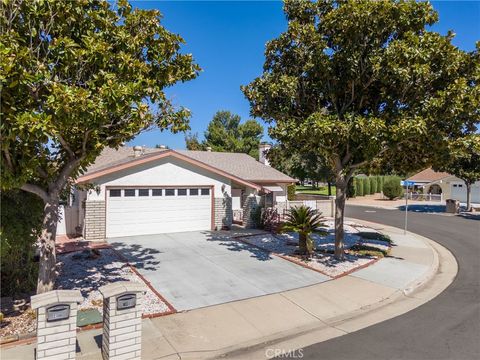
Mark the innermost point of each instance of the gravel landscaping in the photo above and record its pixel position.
(86, 271)
(89, 270)
(323, 260)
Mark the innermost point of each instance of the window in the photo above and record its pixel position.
(129, 192)
(169, 192)
(156, 192)
(115, 193)
(182, 192)
(193, 191)
(143, 192)
(205, 191)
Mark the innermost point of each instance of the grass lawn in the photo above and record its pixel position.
(313, 190)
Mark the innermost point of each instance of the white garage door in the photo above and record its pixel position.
(459, 192)
(143, 211)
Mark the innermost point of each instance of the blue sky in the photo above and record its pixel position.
(227, 39)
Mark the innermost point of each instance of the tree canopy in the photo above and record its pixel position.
(462, 159)
(225, 132)
(358, 81)
(79, 76)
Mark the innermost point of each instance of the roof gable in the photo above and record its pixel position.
(129, 163)
(428, 175)
(239, 167)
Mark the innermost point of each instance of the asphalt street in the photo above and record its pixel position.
(447, 327)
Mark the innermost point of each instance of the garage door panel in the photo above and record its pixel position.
(143, 215)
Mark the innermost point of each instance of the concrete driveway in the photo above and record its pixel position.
(197, 269)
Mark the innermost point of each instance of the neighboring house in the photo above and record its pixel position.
(449, 186)
(140, 191)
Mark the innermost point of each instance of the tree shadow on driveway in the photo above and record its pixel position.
(236, 245)
(137, 255)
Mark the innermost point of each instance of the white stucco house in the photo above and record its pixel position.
(449, 186)
(139, 191)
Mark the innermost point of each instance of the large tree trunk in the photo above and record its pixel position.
(469, 190)
(47, 264)
(340, 197)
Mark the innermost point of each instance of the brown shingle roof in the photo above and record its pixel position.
(241, 165)
(237, 164)
(428, 175)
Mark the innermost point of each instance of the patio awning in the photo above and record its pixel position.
(273, 188)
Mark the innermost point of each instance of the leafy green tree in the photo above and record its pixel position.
(463, 161)
(304, 221)
(360, 81)
(79, 76)
(226, 133)
(192, 142)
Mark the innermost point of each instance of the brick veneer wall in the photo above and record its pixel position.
(56, 339)
(249, 205)
(95, 220)
(223, 212)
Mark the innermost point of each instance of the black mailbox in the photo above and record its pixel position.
(126, 301)
(58, 312)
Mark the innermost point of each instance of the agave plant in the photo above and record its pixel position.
(303, 220)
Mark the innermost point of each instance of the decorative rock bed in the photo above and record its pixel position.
(285, 246)
(88, 270)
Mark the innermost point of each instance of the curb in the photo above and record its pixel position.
(420, 291)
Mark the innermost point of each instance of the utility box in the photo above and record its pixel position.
(122, 320)
(56, 323)
(453, 206)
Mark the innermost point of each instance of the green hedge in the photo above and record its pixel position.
(21, 222)
(366, 186)
(373, 185)
(359, 185)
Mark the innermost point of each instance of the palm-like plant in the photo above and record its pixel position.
(303, 220)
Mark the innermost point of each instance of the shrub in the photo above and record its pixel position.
(21, 223)
(379, 183)
(370, 235)
(373, 185)
(291, 192)
(303, 220)
(392, 188)
(366, 186)
(256, 216)
(382, 181)
(359, 185)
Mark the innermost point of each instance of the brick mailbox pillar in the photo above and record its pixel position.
(56, 323)
(122, 320)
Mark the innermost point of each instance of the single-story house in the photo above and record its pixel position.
(444, 184)
(140, 191)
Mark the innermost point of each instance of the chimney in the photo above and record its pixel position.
(209, 149)
(137, 151)
(262, 150)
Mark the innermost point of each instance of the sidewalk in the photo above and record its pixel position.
(417, 271)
